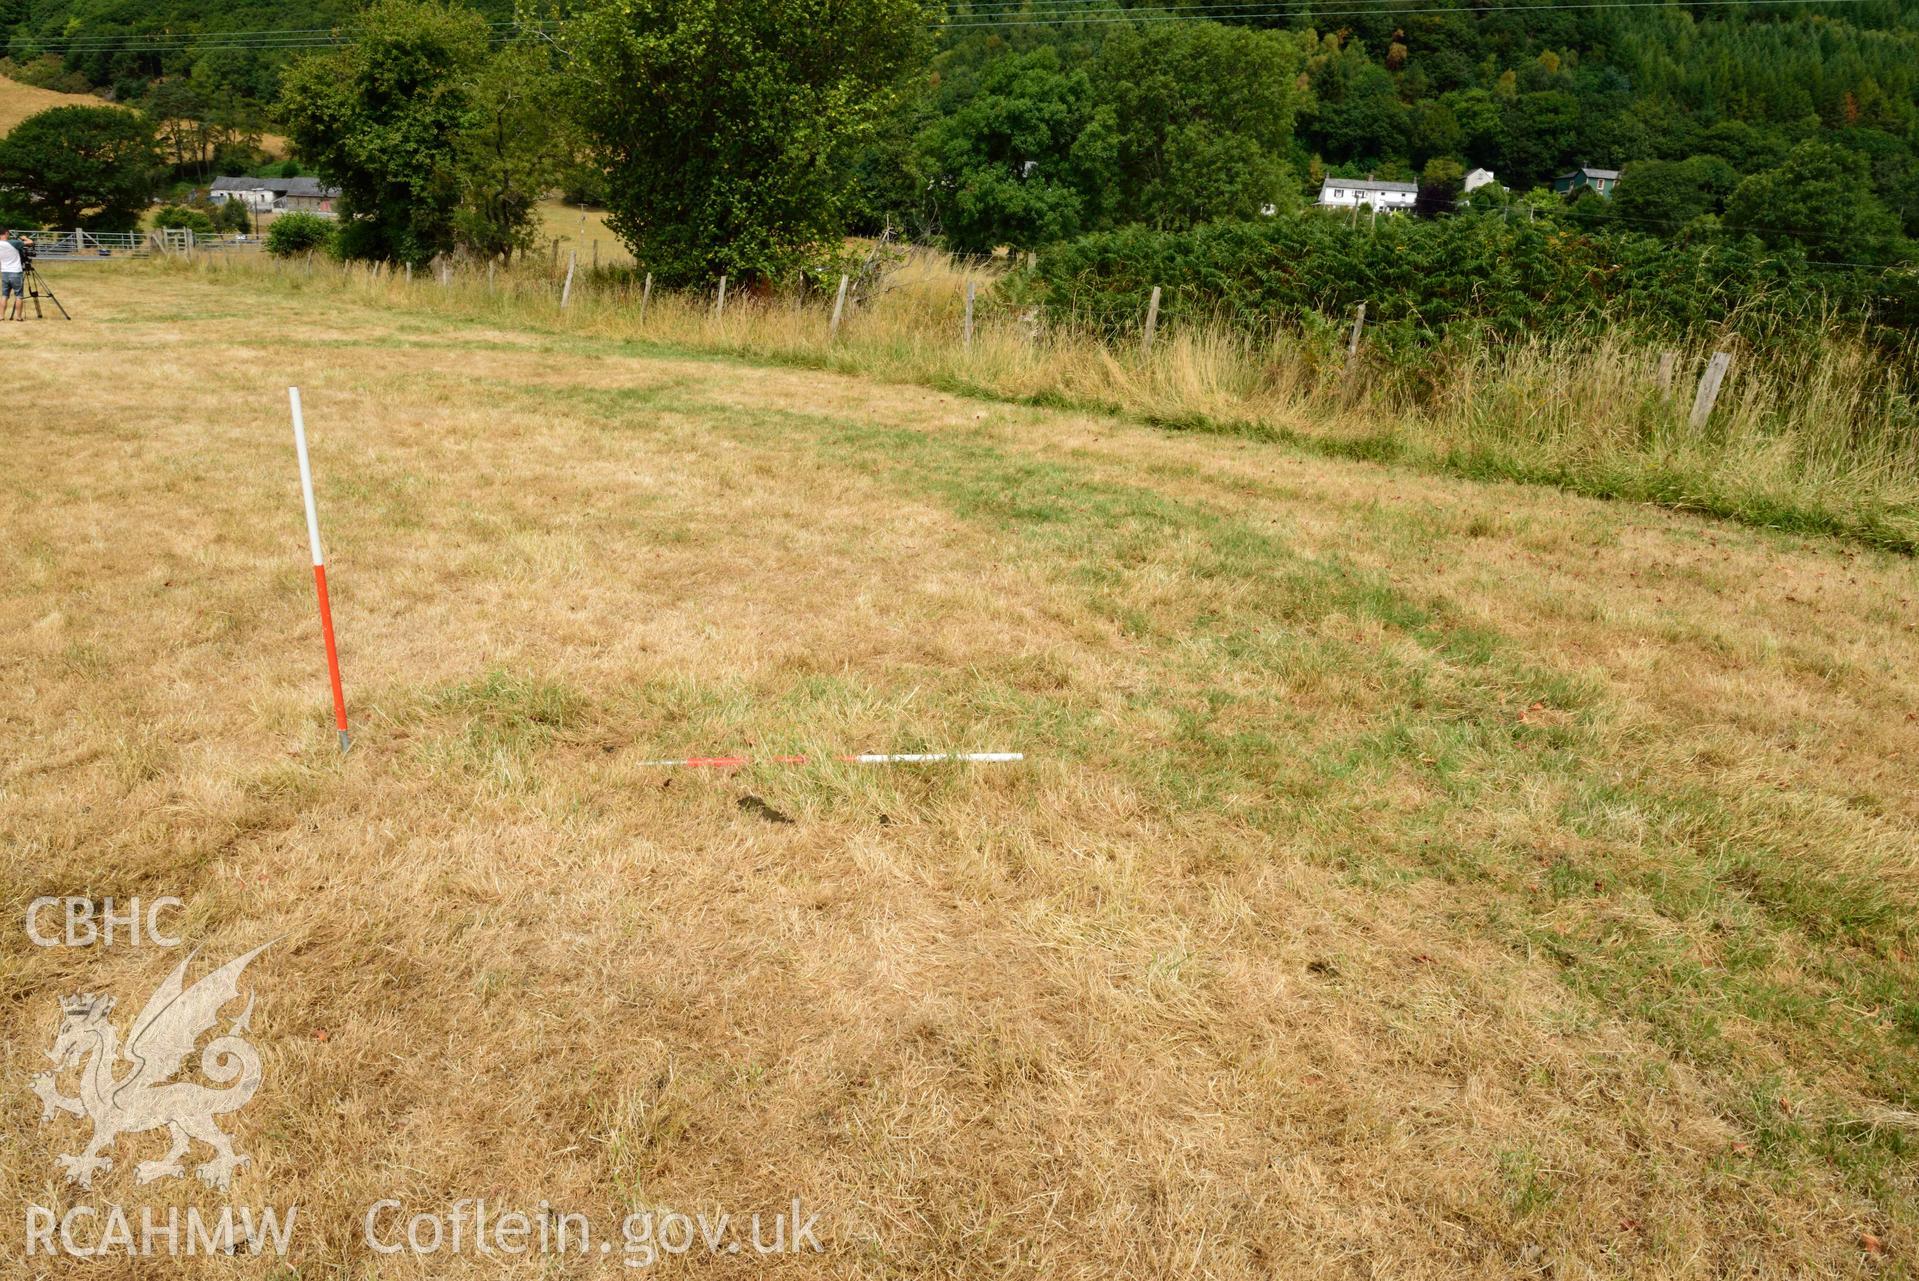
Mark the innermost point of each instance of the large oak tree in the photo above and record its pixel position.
(91, 167)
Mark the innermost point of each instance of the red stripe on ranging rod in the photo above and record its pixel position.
(870, 758)
(319, 568)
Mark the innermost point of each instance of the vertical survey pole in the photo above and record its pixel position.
(319, 567)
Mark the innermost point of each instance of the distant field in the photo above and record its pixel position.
(1410, 877)
(581, 231)
(18, 101)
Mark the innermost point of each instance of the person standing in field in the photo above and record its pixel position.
(13, 279)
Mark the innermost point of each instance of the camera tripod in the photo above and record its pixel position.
(36, 285)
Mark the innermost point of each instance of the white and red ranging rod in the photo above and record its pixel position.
(921, 758)
(319, 568)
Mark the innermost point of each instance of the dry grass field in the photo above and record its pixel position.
(1409, 877)
(18, 101)
(582, 231)
(1828, 444)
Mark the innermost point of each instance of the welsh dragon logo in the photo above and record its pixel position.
(145, 1098)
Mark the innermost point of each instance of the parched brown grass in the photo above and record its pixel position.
(1827, 444)
(18, 101)
(1409, 876)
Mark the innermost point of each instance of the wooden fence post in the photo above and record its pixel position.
(719, 306)
(409, 273)
(1709, 388)
(1664, 376)
(1152, 323)
(1352, 343)
(596, 253)
(839, 306)
(566, 290)
(646, 296)
(489, 275)
(966, 331)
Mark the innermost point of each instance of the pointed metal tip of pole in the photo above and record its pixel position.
(345, 743)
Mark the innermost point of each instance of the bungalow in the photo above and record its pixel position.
(1585, 177)
(276, 195)
(1350, 193)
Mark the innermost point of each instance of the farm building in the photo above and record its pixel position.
(276, 195)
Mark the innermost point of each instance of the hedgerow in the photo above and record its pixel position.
(1468, 283)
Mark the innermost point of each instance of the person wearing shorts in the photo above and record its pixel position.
(13, 280)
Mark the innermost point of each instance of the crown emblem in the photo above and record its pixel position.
(86, 1004)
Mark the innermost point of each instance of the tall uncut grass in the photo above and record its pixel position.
(1830, 445)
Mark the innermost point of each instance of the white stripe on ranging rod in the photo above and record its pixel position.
(867, 758)
(980, 758)
(306, 475)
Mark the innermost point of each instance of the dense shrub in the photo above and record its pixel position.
(298, 233)
(194, 220)
(1467, 279)
(233, 215)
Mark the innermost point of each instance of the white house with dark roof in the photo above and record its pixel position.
(1350, 193)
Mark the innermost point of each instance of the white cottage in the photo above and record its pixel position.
(255, 193)
(1350, 193)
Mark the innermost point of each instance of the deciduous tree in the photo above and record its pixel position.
(1022, 161)
(78, 167)
(725, 129)
(1202, 117)
(1821, 198)
(1661, 196)
(385, 120)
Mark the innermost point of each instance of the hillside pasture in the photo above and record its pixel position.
(1408, 875)
(18, 101)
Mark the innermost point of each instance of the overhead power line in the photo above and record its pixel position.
(1012, 9)
(1305, 9)
(990, 14)
(276, 38)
